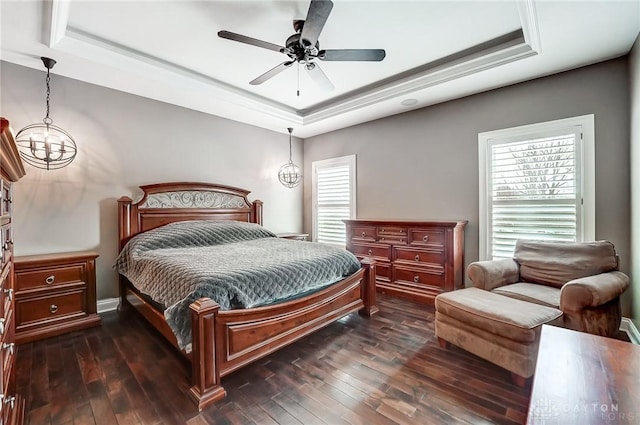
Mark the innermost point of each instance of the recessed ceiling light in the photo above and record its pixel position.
(409, 102)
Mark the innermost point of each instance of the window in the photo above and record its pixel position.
(536, 182)
(334, 198)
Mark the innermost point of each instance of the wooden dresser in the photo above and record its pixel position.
(414, 259)
(55, 293)
(11, 170)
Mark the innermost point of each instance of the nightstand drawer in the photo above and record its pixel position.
(55, 293)
(51, 276)
(55, 307)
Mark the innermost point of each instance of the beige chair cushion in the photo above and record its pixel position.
(531, 292)
(499, 315)
(556, 263)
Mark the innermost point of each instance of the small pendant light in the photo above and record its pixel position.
(44, 145)
(290, 174)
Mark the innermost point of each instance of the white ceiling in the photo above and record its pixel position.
(435, 51)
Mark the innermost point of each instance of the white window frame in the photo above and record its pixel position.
(350, 161)
(586, 219)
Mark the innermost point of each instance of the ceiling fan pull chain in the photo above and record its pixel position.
(298, 78)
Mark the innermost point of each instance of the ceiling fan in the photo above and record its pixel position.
(303, 47)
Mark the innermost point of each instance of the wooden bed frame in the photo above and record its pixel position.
(223, 341)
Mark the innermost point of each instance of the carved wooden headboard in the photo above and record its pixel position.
(166, 203)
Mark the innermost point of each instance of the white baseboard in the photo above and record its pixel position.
(108, 304)
(631, 330)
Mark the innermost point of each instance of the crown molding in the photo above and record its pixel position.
(510, 47)
(56, 19)
(529, 21)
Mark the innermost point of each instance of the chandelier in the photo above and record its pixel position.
(290, 174)
(44, 145)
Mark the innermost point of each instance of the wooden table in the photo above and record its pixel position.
(584, 379)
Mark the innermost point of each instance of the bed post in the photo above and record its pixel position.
(368, 287)
(124, 232)
(124, 220)
(206, 387)
(257, 212)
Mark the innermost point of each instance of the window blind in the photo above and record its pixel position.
(534, 190)
(334, 198)
(333, 204)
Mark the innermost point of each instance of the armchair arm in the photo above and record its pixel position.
(592, 291)
(491, 274)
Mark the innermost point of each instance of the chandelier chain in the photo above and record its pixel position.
(46, 119)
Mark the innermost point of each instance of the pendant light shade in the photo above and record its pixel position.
(290, 174)
(44, 145)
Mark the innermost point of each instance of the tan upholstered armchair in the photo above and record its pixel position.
(580, 279)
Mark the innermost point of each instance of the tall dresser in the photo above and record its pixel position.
(11, 170)
(414, 259)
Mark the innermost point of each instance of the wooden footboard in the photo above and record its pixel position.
(223, 341)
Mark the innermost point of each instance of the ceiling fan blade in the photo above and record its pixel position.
(319, 77)
(271, 73)
(316, 17)
(374, 55)
(249, 40)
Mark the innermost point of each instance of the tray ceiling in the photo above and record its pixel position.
(435, 51)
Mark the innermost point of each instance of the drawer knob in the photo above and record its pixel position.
(417, 258)
(9, 293)
(381, 239)
(53, 308)
(9, 347)
(364, 234)
(11, 401)
(382, 230)
(370, 252)
(416, 278)
(50, 279)
(425, 238)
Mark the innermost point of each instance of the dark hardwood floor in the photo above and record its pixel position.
(385, 370)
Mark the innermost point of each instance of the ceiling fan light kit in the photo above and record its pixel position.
(303, 47)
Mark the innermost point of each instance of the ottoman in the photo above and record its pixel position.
(502, 330)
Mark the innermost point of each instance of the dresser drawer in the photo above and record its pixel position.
(363, 232)
(392, 239)
(383, 271)
(8, 350)
(419, 256)
(392, 230)
(5, 202)
(54, 307)
(49, 277)
(418, 276)
(426, 237)
(377, 251)
(6, 292)
(6, 243)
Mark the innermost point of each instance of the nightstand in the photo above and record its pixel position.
(55, 294)
(294, 236)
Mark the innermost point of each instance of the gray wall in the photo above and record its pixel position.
(634, 67)
(125, 141)
(424, 163)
